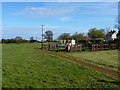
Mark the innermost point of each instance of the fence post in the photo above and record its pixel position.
(80, 47)
(93, 47)
(58, 47)
(41, 46)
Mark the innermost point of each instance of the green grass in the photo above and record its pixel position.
(0, 66)
(105, 58)
(25, 67)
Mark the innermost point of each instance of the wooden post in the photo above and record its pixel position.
(41, 46)
(76, 48)
(58, 47)
(48, 46)
(97, 46)
(102, 46)
(109, 46)
(92, 47)
(80, 47)
(54, 46)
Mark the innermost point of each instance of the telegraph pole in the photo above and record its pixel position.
(42, 31)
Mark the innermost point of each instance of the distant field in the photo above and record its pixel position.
(106, 58)
(25, 67)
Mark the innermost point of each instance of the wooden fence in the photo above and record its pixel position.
(103, 47)
(80, 47)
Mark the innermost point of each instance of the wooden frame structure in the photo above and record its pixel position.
(79, 48)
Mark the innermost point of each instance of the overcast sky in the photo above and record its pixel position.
(24, 18)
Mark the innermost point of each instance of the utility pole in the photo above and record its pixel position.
(42, 31)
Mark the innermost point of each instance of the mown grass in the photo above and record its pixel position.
(0, 66)
(105, 58)
(25, 67)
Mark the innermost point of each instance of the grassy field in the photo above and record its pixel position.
(25, 67)
(0, 66)
(106, 58)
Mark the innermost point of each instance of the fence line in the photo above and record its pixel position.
(80, 47)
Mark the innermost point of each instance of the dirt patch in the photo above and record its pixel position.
(113, 73)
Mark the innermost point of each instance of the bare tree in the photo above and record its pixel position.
(117, 26)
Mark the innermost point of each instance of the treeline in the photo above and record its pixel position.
(13, 41)
(93, 33)
(48, 36)
(18, 39)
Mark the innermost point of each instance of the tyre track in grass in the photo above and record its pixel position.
(115, 74)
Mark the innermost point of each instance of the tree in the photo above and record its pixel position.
(96, 33)
(15, 40)
(48, 35)
(118, 23)
(18, 38)
(64, 36)
(31, 39)
(78, 36)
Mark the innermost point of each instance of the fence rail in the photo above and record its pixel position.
(80, 47)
